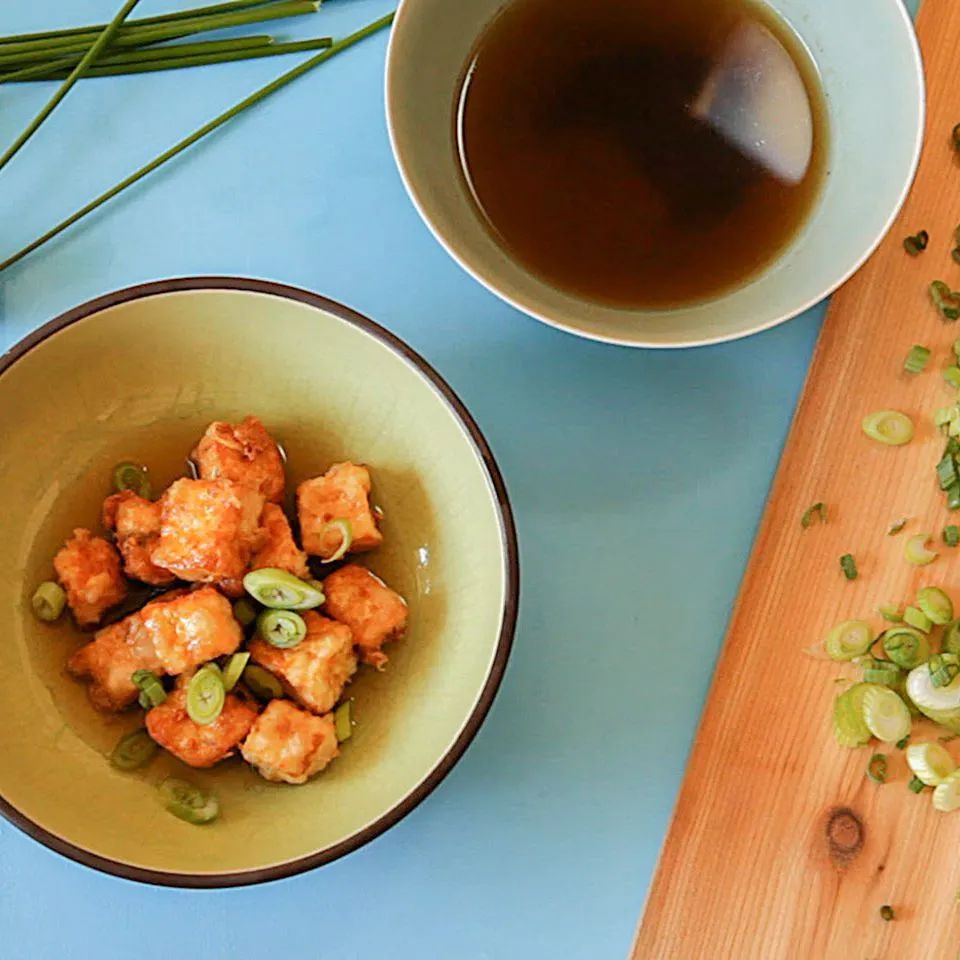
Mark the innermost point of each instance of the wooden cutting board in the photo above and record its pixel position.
(780, 847)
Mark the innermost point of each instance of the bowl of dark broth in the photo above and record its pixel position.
(651, 173)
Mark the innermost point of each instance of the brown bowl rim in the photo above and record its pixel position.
(504, 643)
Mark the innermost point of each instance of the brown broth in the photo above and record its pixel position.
(578, 139)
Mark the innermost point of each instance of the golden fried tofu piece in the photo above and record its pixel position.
(136, 525)
(190, 628)
(209, 529)
(373, 611)
(110, 659)
(89, 569)
(279, 548)
(315, 671)
(200, 745)
(288, 744)
(244, 453)
(342, 493)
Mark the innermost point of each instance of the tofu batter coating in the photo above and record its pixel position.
(109, 660)
(176, 633)
(290, 745)
(136, 525)
(200, 745)
(375, 613)
(244, 453)
(209, 530)
(342, 493)
(279, 548)
(189, 629)
(315, 671)
(88, 567)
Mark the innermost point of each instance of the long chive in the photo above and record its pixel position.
(136, 65)
(19, 54)
(55, 68)
(92, 31)
(67, 84)
(214, 124)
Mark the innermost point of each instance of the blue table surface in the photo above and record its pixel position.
(638, 479)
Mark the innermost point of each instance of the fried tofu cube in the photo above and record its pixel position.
(315, 671)
(209, 529)
(189, 629)
(244, 453)
(287, 744)
(109, 661)
(279, 548)
(342, 493)
(200, 745)
(373, 611)
(89, 569)
(136, 525)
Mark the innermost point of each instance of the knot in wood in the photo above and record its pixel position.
(844, 833)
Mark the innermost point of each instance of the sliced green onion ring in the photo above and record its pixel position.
(48, 601)
(915, 550)
(262, 683)
(935, 604)
(929, 762)
(342, 722)
(951, 535)
(234, 669)
(134, 750)
(188, 802)
(151, 689)
(849, 639)
(952, 376)
(344, 528)
(882, 672)
(849, 566)
(817, 511)
(951, 638)
(244, 612)
(205, 696)
(132, 476)
(281, 590)
(946, 795)
(888, 426)
(944, 669)
(916, 244)
(905, 646)
(886, 715)
(914, 617)
(891, 612)
(877, 768)
(281, 628)
(917, 359)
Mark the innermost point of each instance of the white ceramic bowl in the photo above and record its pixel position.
(872, 75)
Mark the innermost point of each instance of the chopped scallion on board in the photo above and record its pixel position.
(897, 526)
(916, 244)
(877, 768)
(886, 912)
(917, 359)
(815, 513)
(849, 566)
(946, 301)
(951, 535)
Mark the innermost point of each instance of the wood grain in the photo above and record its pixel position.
(779, 846)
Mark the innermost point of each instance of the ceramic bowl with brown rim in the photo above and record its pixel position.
(137, 375)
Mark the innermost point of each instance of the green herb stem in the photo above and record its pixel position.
(214, 124)
(92, 31)
(95, 50)
(20, 54)
(48, 69)
(135, 64)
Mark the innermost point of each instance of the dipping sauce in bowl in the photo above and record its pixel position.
(646, 155)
